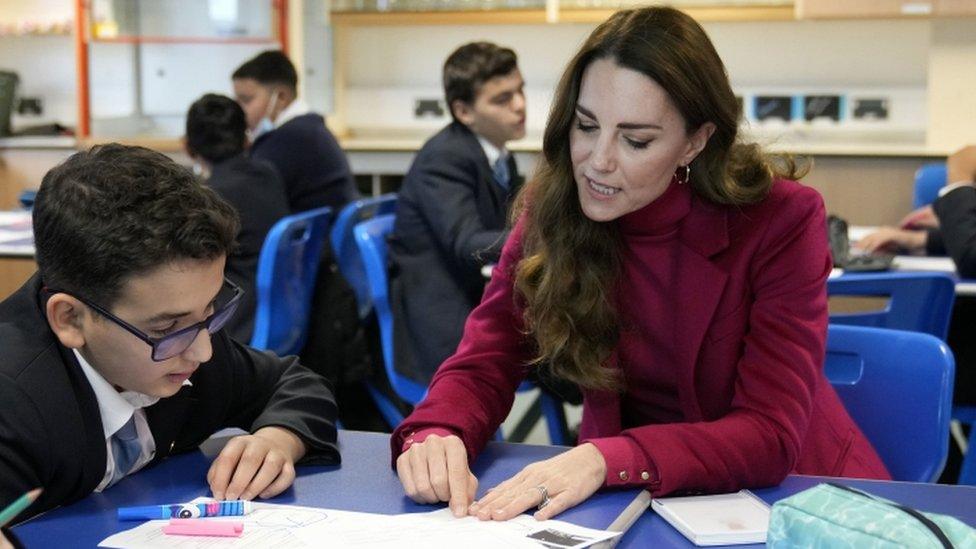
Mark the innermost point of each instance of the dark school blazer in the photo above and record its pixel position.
(51, 432)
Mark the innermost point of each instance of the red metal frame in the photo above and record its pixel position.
(82, 41)
(81, 62)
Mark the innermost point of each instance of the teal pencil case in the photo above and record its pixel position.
(831, 515)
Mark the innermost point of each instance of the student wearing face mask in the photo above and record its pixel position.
(287, 134)
(315, 173)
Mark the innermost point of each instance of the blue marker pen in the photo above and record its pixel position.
(186, 510)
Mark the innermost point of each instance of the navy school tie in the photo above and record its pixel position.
(501, 173)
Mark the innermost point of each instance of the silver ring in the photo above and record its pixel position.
(545, 496)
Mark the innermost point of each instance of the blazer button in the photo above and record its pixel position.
(624, 476)
(645, 475)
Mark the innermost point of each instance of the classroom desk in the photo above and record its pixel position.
(914, 263)
(365, 482)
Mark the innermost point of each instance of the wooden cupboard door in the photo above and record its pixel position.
(955, 7)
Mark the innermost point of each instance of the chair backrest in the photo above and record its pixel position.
(371, 238)
(344, 243)
(918, 302)
(285, 281)
(928, 180)
(897, 386)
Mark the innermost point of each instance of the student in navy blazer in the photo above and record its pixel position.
(285, 133)
(453, 207)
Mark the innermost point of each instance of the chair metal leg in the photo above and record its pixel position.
(552, 409)
(966, 415)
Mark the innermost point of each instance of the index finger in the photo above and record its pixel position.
(223, 466)
(457, 478)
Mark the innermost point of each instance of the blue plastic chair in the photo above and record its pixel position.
(918, 302)
(928, 180)
(285, 281)
(344, 247)
(897, 386)
(371, 238)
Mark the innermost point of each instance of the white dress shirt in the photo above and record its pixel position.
(294, 109)
(115, 409)
(491, 151)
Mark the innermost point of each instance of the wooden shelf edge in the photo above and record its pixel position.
(160, 144)
(130, 39)
(484, 17)
(537, 16)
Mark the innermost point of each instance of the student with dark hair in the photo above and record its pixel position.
(676, 273)
(113, 354)
(453, 207)
(289, 136)
(215, 140)
(315, 173)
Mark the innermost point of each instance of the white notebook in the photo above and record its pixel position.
(721, 519)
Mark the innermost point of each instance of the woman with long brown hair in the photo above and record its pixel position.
(675, 274)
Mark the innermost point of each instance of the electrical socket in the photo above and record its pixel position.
(428, 108)
(30, 106)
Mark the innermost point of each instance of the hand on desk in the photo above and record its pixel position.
(257, 465)
(568, 479)
(892, 239)
(437, 470)
(922, 218)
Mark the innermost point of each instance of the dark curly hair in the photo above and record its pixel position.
(115, 211)
(215, 128)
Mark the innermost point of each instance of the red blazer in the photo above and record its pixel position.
(752, 325)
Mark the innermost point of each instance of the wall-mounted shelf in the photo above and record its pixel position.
(185, 40)
(738, 12)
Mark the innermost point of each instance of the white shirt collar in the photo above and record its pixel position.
(491, 151)
(294, 109)
(115, 408)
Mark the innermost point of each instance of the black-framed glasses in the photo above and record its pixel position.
(170, 345)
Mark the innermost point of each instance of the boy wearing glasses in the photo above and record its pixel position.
(113, 356)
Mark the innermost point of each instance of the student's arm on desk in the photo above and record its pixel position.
(290, 411)
(892, 239)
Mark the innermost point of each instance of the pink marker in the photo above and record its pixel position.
(202, 527)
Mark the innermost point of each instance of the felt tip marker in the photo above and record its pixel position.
(186, 510)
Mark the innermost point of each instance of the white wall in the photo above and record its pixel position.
(46, 66)
(388, 68)
(952, 84)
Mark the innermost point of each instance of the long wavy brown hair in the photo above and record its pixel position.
(570, 264)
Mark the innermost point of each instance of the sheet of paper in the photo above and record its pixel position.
(299, 527)
(442, 529)
(921, 263)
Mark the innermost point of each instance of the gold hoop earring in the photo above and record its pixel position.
(687, 174)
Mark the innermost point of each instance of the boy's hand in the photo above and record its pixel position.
(259, 465)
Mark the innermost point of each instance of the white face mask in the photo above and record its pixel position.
(265, 125)
(200, 170)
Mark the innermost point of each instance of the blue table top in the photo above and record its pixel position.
(365, 482)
